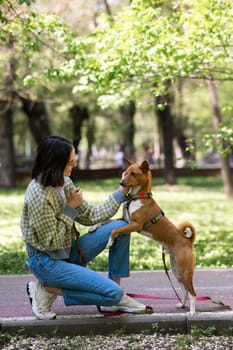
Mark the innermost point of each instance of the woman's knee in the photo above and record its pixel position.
(118, 223)
(115, 295)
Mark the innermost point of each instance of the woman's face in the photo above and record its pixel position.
(71, 164)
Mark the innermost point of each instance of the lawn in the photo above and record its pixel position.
(199, 200)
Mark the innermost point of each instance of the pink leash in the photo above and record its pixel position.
(150, 310)
(144, 296)
(219, 303)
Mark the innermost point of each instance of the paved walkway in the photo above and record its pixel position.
(15, 309)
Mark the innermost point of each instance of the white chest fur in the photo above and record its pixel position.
(128, 211)
(134, 205)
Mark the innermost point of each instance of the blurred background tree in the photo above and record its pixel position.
(114, 73)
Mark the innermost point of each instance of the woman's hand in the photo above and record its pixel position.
(125, 190)
(76, 198)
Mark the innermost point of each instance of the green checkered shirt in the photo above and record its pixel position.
(47, 222)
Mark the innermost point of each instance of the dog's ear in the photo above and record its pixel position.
(144, 166)
(129, 162)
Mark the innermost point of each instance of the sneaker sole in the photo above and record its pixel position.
(127, 310)
(28, 293)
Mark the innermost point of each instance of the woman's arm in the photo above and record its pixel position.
(92, 214)
(87, 214)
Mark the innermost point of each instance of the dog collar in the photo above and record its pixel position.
(140, 195)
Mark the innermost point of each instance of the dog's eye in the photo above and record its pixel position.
(133, 173)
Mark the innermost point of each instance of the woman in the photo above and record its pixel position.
(57, 256)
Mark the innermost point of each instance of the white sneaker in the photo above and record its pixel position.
(127, 304)
(41, 301)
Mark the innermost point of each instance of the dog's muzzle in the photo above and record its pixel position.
(123, 185)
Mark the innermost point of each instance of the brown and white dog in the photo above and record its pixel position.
(145, 216)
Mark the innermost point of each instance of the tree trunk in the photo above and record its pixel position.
(166, 127)
(38, 120)
(128, 112)
(181, 139)
(107, 7)
(179, 126)
(7, 157)
(78, 114)
(90, 134)
(225, 168)
(7, 168)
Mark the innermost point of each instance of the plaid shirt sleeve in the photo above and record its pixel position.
(88, 214)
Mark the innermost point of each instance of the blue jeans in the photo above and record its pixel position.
(80, 285)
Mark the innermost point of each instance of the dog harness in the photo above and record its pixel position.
(154, 220)
(142, 195)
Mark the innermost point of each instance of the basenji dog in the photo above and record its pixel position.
(145, 216)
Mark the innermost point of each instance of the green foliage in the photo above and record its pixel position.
(140, 47)
(3, 18)
(199, 200)
(130, 54)
(27, 2)
(151, 42)
(222, 140)
(26, 34)
(5, 339)
(202, 331)
(13, 259)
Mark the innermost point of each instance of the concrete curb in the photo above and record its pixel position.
(96, 324)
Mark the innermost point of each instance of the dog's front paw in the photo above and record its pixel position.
(110, 243)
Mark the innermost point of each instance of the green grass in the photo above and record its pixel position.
(199, 200)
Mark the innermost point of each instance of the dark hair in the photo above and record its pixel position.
(52, 157)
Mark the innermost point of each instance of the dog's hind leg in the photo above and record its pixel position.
(192, 310)
(192, 302)
(189, 291)
(185, 280)
(182, 303)
(183, 300)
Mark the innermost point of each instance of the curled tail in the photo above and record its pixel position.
(187, 230)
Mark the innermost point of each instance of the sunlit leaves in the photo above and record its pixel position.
(159, 40)
(129, 54)
(38, 41)
(222, 140)
(27, 2)
(3, 18)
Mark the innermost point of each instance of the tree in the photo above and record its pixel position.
(220, 142)
(78, 114)
(127, 112)
(7, 175)
(37, 117)
(41, 42)
(23, 34)
(130, 54)
(152, 42)
(165, 121)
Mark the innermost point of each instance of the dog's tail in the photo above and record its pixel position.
(187, 230)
